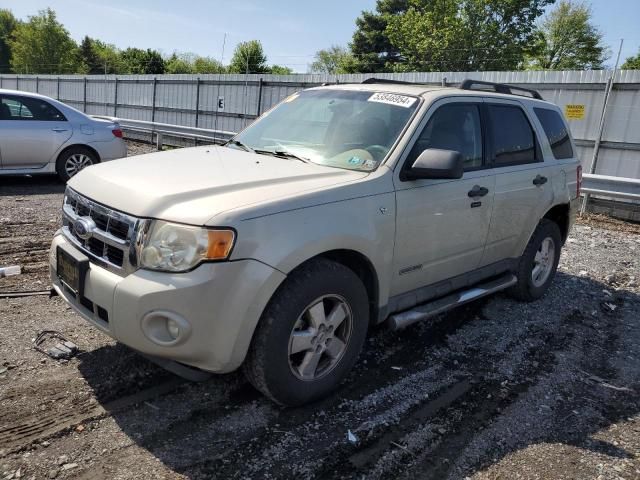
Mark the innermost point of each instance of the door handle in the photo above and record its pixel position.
(478, 191)
(59, 129)
(539, 180)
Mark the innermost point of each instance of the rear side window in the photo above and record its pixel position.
(24, 108)
(512, 136)
(556, 131)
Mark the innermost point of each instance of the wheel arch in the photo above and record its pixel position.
(78, 145)
(560, 215)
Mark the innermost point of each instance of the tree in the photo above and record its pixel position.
(568, 40)
(249, 57)
(8, 24)
(207, 65)
(89, 58)
(138, 62)
(333, 60)
(371, 45)
(430, 35)
(179, 63)
(42, 45)
(109, 57)
(632, 63)
(280, 70)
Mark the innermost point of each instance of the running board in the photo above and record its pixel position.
(400, 320)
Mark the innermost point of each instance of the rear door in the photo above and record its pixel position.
(523, 188)
(442, 224)
(31, 131)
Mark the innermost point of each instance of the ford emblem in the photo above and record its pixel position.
(84, 227)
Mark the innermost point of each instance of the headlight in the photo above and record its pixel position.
(177, 248)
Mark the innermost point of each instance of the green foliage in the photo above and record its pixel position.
(179, 63)
(136, 61)
(8, 24)
(431, 35)
(632, 63)
(42, 45)
(333, 60)
(280, 70)
(89, 57)
(249, 57)
(207, 65)
(568, 40)
(109, 56)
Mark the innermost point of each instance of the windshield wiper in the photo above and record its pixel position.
(238, 143)
(283, 154)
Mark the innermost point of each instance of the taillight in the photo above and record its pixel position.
(117, 132)
(578, 180)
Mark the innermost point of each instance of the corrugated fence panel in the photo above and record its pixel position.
(175, 97)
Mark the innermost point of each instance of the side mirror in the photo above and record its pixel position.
(434, 163)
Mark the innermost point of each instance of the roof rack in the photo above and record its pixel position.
(499, 88)
(386, 80)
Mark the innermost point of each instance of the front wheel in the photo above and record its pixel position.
(538, 263)
(310, 334)
(73, 160)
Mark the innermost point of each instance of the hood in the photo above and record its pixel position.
(192, 185)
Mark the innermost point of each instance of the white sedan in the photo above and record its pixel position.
(41, 135)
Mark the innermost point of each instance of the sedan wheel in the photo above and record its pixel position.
(543, 262)
(76, 162)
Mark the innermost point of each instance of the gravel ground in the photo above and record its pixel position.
(494, 390)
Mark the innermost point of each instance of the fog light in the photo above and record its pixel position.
(173, 328)
(165, 328)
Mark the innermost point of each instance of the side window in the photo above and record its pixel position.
(556, 132)
(24, 108)
(456, 127)
(513, 138)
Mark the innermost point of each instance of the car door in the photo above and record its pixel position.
(442, 225)
(523, 190)
(31, 131)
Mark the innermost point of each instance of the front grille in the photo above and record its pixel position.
(111, 241)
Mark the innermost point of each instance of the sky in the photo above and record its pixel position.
(290, 31)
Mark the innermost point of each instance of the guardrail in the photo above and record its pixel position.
(159, 130)
(608, 186)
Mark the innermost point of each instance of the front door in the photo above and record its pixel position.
(442, 225)
(31, 131)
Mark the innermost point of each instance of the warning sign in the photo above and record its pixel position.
(574, 111)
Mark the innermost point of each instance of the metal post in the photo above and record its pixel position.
(37, 84)
(153, 101)
(1, 77)
(115, 98)
(84, 97)
(158, 140)
(259, 109)
(603, 115)
(197, 101)
(17, 82)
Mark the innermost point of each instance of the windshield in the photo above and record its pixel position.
(338, 128)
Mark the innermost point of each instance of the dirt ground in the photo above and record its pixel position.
(494, 390)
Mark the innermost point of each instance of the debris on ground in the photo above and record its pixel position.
(62, 350)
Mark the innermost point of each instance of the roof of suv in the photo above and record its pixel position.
(425, 89)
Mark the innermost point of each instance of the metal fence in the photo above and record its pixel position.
(230, 102)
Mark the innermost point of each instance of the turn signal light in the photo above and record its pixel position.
(220, 244)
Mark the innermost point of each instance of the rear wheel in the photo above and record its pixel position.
(538, 263)
(73, 160)
(310, 334)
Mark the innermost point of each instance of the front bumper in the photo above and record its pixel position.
(221, 302)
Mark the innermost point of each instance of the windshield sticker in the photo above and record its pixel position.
(355, 161)
(392, 99)
(370, 164)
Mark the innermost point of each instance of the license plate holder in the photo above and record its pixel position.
(72, 269)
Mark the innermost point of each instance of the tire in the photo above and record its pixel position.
(532, 286)
(293, 320)
(74, 159)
